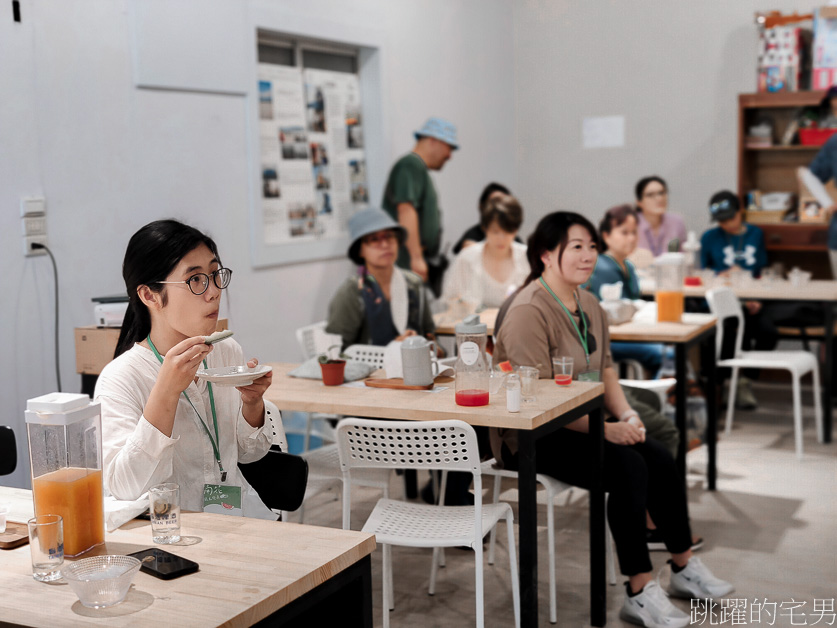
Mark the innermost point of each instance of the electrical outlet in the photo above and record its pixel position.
(28, 241)
(34, 226)
(35, 206)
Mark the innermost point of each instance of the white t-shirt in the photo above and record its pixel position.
(137, 456)
(468, 280)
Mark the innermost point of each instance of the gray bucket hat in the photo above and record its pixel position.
(369, 221)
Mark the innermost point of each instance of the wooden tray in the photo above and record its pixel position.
(16, 534)
(398, 383)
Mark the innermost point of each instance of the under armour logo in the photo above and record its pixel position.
(744, 258)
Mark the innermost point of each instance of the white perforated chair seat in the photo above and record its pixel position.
(799, 362)
(368, 354)
(419, 525)
(324, 463)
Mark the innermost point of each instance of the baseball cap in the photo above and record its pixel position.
(723, 206)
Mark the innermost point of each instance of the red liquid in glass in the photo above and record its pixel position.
(563, 380)
(472, 397)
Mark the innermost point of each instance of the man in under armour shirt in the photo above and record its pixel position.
(736, 245)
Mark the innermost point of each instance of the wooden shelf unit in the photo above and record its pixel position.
(773, 169)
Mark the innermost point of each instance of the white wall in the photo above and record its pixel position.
(110, 158)
(672, 68)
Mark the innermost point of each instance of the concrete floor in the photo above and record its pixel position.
(771, 529)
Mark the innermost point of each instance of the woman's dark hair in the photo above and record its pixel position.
(639, 190)
(153, 252)
(614, 217)
(553, 231)
(506, 210)
(487, 191)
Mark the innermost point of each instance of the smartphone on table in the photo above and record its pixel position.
(164, 565)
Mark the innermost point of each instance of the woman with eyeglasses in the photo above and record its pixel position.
(160, 423)
(659, 231)
(382, 302)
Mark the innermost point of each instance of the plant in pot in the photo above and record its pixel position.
(332, 368)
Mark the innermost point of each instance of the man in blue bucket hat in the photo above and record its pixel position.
(410, 198)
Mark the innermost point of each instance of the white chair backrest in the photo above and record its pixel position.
(279, 438)
(724, 304)
(368, 354)
(313, 339)
(368, 443)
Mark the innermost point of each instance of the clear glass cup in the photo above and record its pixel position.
(529, 376)
(5, 507)
(562, 370)
(46, 543)
(164, 511)
(495, 382)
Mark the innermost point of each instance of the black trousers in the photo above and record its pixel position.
(638, 477)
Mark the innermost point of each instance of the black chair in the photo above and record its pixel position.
(279, 478)
(8, 450)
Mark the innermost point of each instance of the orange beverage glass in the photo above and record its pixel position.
(669, 306)
(76, 495)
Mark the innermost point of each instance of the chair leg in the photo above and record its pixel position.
(480, 594)
(493, 536)
(797, 414)
(387, 577)
(431, 589)
(306, 443)
(513, 569)
(550, 539)
(733, 388)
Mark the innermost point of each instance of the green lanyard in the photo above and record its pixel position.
(215, 440)
(583, 338)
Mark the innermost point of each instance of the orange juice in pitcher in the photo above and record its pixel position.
(65, 451)
(669, 274)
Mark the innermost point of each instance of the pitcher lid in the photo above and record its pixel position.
(471, 325)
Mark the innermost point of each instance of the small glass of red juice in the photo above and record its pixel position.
(562, 369)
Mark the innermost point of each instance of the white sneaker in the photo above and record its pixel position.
(651, 609)
(695, 581)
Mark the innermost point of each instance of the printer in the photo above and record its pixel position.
(110, 311)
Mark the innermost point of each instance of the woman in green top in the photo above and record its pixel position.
(383, 302)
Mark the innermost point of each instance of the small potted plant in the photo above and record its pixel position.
(332, 368)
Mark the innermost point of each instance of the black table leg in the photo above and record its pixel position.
(708, 366)
(528, 527)
(598, 596)
(680, 405)
(828, 366)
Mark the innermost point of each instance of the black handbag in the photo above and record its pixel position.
(279, 478)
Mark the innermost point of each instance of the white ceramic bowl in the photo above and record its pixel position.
(101, 581)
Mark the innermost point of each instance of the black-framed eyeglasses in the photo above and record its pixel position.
(199, 282)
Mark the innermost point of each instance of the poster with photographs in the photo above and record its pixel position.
(312, 158)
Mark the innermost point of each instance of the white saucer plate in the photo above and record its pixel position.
(234, 375)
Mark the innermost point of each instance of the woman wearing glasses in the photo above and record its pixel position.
(659, 231)
(159, 422)
(383, 302)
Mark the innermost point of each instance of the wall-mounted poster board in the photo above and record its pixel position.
(312, 158)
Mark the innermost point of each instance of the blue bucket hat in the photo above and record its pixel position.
(368, 221)
(440, 129)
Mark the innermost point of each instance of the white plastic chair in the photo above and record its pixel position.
(659, 386)
(368, 354)
(724, 304)
(553, 488)
(431, 445)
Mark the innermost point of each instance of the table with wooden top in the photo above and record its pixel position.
(817, 292)
(250, 570)
(694, 328)
(556, 406)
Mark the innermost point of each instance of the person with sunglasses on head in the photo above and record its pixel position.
(735, 246)
(659, 230)
(160, 422)
(382, 302)
(553, 316)
(475, 234)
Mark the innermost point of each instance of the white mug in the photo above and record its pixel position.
(416, 363)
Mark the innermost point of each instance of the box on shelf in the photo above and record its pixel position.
(825, 48)
(815, 137)
(783, 62)
(811, 211)
(765, 216)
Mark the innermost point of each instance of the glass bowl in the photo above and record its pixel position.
(101, 581)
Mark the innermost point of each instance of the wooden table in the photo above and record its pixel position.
(555, 407)
(820, 292)
(695, 328)
(250, 570)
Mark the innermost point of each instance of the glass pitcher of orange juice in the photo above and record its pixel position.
(65, 451)
(669, 272)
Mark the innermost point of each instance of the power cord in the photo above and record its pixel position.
(37, 245)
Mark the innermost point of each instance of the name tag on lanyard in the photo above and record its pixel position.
(222, 499)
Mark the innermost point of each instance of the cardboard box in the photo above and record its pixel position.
(811, 211)
(95, 346)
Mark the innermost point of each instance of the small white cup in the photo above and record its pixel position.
(5, 507)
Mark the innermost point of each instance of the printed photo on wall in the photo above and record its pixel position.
(354, 132)
(322, 181)
(315, 109)
(265, 100)
(302, 219)
(324, 203)
(357, 179)
(319, 154)
(294, 142)
(270, 182)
